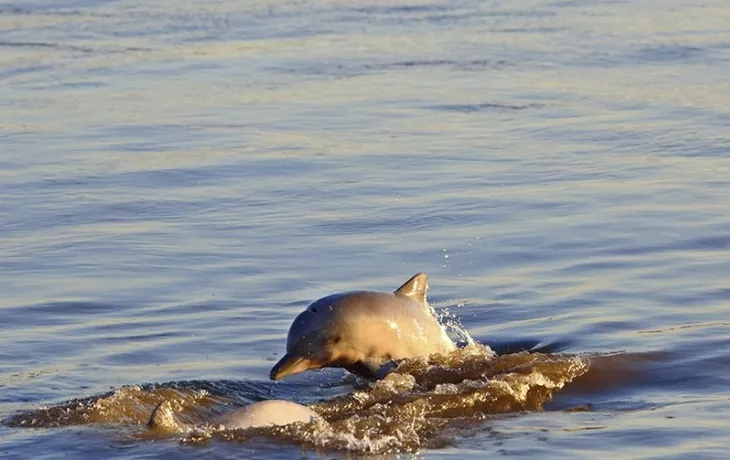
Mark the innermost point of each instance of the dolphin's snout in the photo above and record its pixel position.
(291, 364)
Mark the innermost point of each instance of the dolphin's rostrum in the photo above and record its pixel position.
(364, 332)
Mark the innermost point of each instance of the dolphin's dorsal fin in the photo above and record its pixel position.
(163, 418)
(415, 288)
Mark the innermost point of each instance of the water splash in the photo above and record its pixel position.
(420, 405)
(453, 323)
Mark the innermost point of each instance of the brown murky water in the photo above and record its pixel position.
(425, 403)
(179, 180)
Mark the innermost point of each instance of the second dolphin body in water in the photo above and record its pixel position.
(364, 332)
(273, 412)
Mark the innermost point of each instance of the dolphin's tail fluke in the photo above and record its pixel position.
(163, 418)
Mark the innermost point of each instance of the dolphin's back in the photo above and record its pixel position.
(266, 413)
(397, 325)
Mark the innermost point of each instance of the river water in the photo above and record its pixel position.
(179, 179)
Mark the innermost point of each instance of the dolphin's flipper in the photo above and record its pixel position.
(372, 369)
(415, 288)
(163, 418)
(385, 369)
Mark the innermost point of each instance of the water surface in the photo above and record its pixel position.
(178, 180)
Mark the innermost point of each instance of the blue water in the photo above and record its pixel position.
(179, 179)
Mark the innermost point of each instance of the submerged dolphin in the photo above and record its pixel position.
(264, 413)
(364, 332)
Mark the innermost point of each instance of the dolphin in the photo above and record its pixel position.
(265, 413)
(364, 332)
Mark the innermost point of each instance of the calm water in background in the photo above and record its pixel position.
(179, 179)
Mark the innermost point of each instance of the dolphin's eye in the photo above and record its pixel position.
(313, 310)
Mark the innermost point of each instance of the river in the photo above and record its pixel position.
(178, 180)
